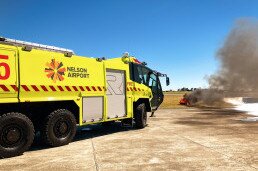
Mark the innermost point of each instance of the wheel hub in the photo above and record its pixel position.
(63, 128)
(13, 135)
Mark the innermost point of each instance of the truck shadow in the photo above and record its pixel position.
(84, 133)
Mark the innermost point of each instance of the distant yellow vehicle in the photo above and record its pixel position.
(51, 90)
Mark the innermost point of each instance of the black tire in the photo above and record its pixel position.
(59, 128)
(16, 134)
(140, 116)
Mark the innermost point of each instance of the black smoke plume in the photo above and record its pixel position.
(238, 71)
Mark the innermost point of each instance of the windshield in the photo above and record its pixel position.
(153, 81)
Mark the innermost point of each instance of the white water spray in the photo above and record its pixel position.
(249, 108)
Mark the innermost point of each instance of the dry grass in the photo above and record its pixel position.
(171, 100)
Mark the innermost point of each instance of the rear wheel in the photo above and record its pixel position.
(59, 128)
(16, 134)
(140, 116)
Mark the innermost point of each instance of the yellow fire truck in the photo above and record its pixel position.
(51, 90)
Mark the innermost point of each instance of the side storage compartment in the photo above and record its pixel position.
(93, 108)
(116, 101)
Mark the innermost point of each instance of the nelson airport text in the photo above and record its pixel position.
(77, 72)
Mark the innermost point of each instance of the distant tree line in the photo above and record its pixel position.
(182, 89)
(186, 89)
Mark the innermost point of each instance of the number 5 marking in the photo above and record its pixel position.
(6, 67)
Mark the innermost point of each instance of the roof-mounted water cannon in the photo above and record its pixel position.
(126, 54)
(144, 63)
(125, 57)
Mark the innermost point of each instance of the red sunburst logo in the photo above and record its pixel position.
(55, 70)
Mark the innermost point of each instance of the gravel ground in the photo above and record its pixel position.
(176, 139)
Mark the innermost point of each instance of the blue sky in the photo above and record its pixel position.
(179, 38)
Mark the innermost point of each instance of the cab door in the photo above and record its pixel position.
(8, 72)
(157, 93)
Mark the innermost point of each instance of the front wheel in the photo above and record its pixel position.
(16, 134)
(59, 128)
(140, 116)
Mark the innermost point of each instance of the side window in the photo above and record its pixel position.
(139, 74)
(145, 75)
(136, 73)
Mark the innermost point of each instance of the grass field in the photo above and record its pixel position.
(171, 100)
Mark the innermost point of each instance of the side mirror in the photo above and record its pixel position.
(167, 81)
